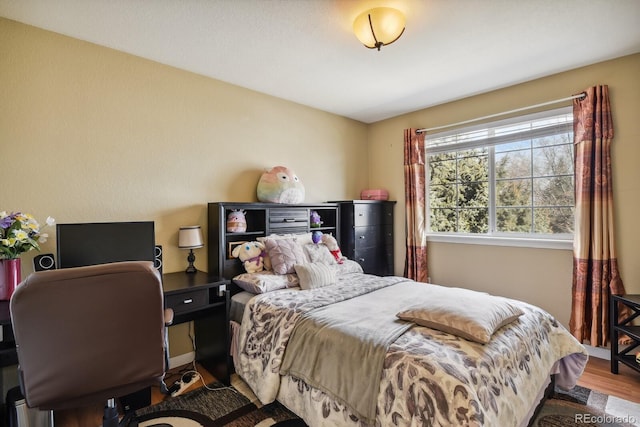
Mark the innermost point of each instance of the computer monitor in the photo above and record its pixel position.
(104, 242)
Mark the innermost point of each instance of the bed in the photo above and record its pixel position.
(362, 350)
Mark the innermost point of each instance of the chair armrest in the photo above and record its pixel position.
(168, 316)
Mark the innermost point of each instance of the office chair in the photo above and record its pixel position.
(89, 334)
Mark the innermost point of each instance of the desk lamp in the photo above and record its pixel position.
(190, 237)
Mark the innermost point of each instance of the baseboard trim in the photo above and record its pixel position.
(182, 359)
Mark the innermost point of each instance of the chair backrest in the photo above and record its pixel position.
(87, 334)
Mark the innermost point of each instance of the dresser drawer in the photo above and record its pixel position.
(184, 302)
(375, 260)
(294, 219)
(372, 214)
(375, 235)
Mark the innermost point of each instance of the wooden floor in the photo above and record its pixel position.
(597, 376)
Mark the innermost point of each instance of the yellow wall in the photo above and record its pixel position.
(91, 134)
(539, 276)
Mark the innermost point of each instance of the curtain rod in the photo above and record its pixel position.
(580, 95)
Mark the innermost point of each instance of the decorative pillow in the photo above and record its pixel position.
(265, 281)
(314, 275)
(276, 237)
(319, 253)
(304, 238)
(284, 254)
(347, 266)
(467, 314)
(301, 238)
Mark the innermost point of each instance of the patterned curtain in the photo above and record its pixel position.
(595, 266)
(415, 266)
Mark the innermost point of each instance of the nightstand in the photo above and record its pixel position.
(626, 327)
(205, 300)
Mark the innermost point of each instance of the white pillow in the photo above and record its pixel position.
(284, 254)
(319, 253)
(265, 281)
(300, 238)
(348, 266)
(314, 275)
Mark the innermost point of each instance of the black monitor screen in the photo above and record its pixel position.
(104, 242)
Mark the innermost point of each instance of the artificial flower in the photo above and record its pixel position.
(20, 233)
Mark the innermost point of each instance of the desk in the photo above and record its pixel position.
(8, 354)
(205, 300)
(193, 297)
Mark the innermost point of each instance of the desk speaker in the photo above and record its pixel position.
(44, 262)
(157, 260)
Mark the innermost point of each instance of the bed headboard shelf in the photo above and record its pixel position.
(262, 219)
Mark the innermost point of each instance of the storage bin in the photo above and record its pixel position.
(374, 194)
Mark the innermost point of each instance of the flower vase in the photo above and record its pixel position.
(9, 277)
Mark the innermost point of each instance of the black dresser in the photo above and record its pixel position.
(366, 234)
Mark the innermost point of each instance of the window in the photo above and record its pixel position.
(512, 178)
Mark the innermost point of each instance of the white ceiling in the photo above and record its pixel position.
(305, 51)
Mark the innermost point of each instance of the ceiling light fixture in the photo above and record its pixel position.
(379, 27)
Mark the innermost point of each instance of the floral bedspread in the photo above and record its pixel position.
(429, 378)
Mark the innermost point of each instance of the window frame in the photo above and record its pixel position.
(492, 237)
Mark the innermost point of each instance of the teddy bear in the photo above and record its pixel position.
(252, 255)
(331, 243)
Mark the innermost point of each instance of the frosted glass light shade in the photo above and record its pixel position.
(379, 26)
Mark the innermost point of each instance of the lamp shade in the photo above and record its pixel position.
(379, 26)
(190, 237)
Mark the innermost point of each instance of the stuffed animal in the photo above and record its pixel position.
(252, 255)
(236, 222)
(280, 185)
(316, 237)
(331, 243)
(315, 220)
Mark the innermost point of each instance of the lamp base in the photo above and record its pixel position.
(191, 258)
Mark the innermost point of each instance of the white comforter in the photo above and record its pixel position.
(429, 378)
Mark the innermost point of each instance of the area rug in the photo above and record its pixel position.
(584, 407)
(219, 406)
(237, 407)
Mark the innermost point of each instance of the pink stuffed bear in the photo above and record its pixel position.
(331, 243)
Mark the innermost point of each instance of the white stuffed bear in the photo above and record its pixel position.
(252, 255)
(331, 243)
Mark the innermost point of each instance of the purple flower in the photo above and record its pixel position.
(7, 221)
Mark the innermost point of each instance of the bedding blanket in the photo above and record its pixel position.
(428, 378)
(340, 348)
